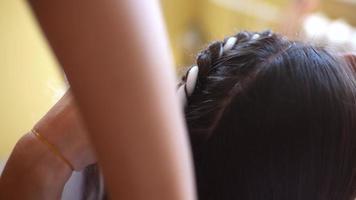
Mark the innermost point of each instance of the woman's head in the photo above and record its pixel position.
(273, 119)
(270, 119)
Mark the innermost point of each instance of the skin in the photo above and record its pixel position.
(35, 172)
(63, 126)
(29, 172)
(116, 57)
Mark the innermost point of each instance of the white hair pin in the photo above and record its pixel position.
(256, 36)
(230, 43)
(187, 89)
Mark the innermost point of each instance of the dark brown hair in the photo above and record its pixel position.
(273, 119)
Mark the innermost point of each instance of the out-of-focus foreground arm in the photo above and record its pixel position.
(116, 56)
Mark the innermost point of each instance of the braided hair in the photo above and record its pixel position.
(270, 119)
(273, 119)
(225, 73)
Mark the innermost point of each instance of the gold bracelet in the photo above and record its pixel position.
(52, 148)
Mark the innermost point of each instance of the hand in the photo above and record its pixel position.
(62, 126)
(33, 171)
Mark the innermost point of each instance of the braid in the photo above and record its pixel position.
(225, 70)
(271, 118)
(217, 52)
(210, 56)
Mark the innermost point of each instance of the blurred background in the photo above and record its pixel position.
(31, 82)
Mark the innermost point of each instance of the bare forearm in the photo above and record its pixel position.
(33, 172)
(116, 57)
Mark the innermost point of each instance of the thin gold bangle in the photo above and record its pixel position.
(52, 148)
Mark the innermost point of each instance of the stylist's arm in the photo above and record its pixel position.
(43, 160)
(115, 54)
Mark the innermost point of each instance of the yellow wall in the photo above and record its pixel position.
(29, 80)
(178, 16)
(215, 19)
